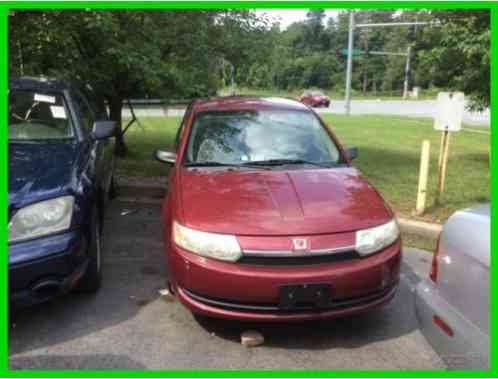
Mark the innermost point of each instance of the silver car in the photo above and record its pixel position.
(453, 303)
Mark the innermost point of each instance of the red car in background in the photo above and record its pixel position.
(315, 99)
(266, 219)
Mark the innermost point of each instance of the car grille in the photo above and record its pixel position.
(262, 307)
(298, 261)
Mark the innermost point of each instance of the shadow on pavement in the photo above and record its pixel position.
(126, 319)
(75, 362)
(388, 322)
(133, 272)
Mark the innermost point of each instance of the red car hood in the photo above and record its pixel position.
(279, 202)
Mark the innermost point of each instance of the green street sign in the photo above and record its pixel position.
(355, 51)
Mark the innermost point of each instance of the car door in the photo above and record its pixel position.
(107, 146)
(100, 152)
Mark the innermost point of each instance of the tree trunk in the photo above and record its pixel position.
(365, 66)
(115, 110)
(365, 81)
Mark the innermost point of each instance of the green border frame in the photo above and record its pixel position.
(4, 10)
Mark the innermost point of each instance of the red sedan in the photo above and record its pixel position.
(315, 99)
(266, 219)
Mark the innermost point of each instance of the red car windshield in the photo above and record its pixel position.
(237, 137)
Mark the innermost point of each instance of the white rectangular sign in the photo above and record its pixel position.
(450, 107)
(44, 98)
(58, 111)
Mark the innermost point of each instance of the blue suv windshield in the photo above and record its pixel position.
(37, 116)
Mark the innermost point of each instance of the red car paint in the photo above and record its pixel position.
(266, 210)
(314, 99)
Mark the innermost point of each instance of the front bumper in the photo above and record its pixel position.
(251, 291)
(45, 268)
(221, 309)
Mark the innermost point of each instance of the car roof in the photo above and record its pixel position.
(39, 83)
(226, 103)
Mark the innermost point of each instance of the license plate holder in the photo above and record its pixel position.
(315, 295)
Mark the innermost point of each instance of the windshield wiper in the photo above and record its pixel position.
(222, 164)
(281, 162)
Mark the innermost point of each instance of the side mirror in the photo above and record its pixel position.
(352, 152)
(165, 157)
(104, 129)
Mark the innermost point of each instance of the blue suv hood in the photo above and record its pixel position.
(38, 171)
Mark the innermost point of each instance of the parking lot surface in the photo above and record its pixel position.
(128, 326)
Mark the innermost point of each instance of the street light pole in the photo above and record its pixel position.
(349, 68)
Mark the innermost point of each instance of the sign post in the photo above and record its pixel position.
(423, 176)
(448, 119)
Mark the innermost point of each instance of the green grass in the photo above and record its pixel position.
(142, 140)
(389, 154)
(412, 240)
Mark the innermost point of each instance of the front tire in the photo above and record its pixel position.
(91, 280)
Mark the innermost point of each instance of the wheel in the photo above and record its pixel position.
(91, 280)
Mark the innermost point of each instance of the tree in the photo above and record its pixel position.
(314, 36)
(129, 53)
(462, 57)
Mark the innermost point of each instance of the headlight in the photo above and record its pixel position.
(218, 246)
(369, 241)
(42, 218)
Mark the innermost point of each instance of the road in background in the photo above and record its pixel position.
(408, 108)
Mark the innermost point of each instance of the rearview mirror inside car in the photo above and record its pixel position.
(165, 157)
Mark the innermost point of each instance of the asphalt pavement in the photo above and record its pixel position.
(128, 326)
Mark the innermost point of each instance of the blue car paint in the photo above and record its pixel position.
(43, 170)
(42, 247)
(40, 171)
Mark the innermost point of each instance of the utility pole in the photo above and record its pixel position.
(349, 68)
(407, 72)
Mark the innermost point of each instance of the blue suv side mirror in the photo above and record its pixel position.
(104, 129)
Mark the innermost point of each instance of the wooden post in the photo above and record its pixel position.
(423, 176)
(440, 159)
(443, 154)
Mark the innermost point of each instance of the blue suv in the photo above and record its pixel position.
(61, 175)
